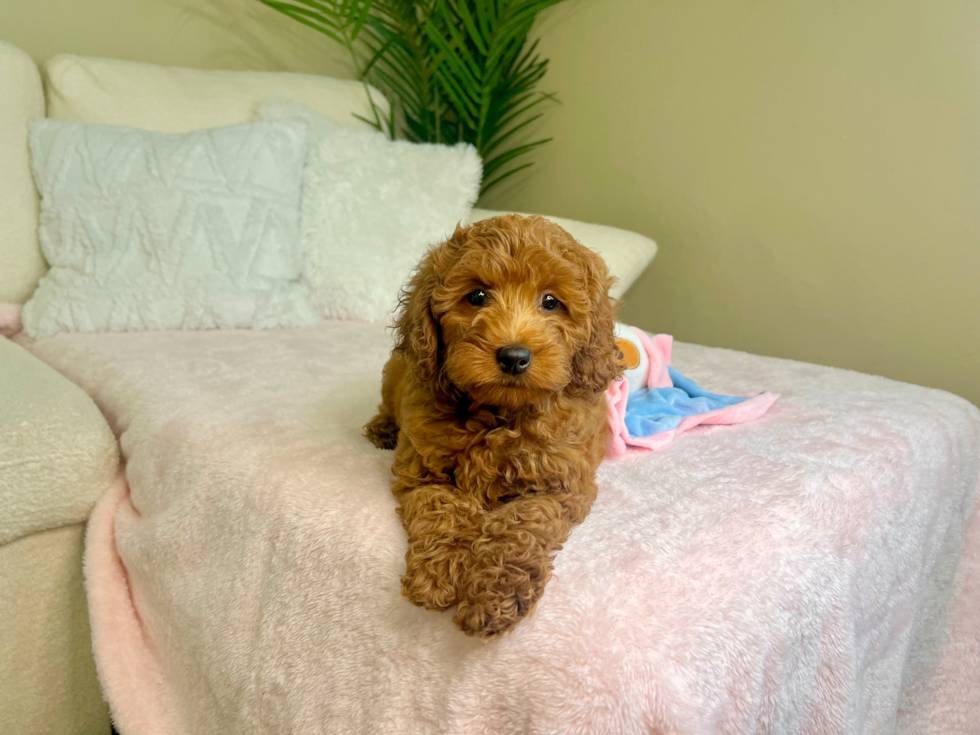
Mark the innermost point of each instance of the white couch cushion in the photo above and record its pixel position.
(371, 207)
(177, 100)
(626, 253)
(21, 99)
(147, 230)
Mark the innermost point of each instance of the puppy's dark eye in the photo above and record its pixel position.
(477, 298)
(550, 303)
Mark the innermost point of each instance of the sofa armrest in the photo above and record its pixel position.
(57, 453)
(626, 253)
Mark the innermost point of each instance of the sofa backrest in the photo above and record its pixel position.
(112, 92)
(21, 100)
(177, 100)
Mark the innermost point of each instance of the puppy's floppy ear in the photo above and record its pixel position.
(416, 327)
(595, 366)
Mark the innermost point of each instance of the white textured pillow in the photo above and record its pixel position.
(151, 230)
(371, 207)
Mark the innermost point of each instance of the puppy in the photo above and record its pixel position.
(493, 402)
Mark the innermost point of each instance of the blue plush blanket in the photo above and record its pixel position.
(651, 411)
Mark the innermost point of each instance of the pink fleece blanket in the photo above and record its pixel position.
(792, 575)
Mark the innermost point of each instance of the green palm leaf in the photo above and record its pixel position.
(491, 165)
(453, 70)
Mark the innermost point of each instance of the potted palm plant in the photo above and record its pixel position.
(452, 70)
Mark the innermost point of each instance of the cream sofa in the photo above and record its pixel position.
(58, 454)
(57, 457)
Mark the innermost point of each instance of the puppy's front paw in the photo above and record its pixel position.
(382, 431)
(494, 599)
(429, 581)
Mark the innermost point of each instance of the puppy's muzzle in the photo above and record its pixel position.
(514, 359)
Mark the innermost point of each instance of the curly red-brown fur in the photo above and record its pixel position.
(493, 470)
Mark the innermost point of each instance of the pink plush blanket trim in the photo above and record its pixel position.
(10, 319)
(129, 670)
(955, 707)
(659, 348)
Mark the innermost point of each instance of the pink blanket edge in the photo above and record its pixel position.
(10, 319)
(955, 706)
(130, 673)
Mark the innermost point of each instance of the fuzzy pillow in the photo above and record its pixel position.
(148, 230)
(371, 207)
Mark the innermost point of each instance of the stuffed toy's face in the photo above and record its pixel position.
(632, 356)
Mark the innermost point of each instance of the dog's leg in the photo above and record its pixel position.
(382, 430)
(510, 561)
(441, 524)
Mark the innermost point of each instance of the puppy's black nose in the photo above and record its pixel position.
(514, 359)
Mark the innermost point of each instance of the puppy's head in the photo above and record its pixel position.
(510, 310)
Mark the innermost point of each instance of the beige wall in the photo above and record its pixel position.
(206, 34)
(811, 169)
